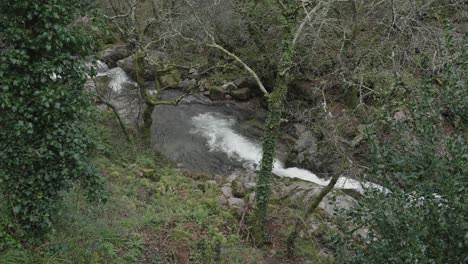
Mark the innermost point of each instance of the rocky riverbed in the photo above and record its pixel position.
(217, 131)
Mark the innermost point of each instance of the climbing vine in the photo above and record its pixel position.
(45, 112)
(272, 130)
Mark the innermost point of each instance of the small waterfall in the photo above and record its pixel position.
(101, 68)
(117, 76)
(221, 137)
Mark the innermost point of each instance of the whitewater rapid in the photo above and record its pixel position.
(218, 130)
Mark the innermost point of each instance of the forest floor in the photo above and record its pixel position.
(157, 213)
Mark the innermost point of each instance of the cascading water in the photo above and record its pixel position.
(204, 136)
(117, 78)
(220, 136)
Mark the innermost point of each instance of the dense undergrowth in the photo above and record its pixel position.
(155, 214)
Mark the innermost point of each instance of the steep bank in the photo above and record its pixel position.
(157, 213)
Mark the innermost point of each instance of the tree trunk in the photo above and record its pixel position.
(145, 129)
(272, 130)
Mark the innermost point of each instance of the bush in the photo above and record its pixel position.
(422, 156)
(44, 110)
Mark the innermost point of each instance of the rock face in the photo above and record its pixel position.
(127, 64)
(309, 153)
(114, 54)
(238, 192)
(102, 82)
(305, 192)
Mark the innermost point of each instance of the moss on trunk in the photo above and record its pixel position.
(272, 130)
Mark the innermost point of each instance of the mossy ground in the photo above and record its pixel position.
(155, 214)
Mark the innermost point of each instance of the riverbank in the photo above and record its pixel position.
(157, 213)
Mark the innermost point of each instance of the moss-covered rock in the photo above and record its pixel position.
(111, 55)
(217, 92)
(241, 94)
(169, 77)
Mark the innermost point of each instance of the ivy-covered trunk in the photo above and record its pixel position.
(145, 129)
(272, 130)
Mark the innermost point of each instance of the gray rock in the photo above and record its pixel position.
(299, 129)
(188, 84)
(313, 155)
(227, 191)
(170, 78)
(193, 73)
(334, 202)
(237, 203)
(114, 54)
(312, 194)
(217, 92)
(252, 198)
(129, 86)
(219, 179)
(251, 185)
(230, 86)
(127, 64)
(246, 83)
(89, 86)
(102, 83)
(399, 116)
(234, 176)
(241, 94)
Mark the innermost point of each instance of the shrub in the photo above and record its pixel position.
(44, 111)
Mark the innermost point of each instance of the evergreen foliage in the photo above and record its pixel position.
(45, 142)
(422, 157)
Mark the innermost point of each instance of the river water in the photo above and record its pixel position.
(212, 137)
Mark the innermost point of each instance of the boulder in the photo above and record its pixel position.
(305, 192)
(89, 86)
(246, 83)
(114, 54)
(237, 203)
(188, 84)
(335, 201)
(229, 86)
(311, 154)
(102, 83)
(169, 78)
(217, 92)
(241, 94)
(227, 191)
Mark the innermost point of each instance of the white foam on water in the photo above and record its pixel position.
(220, 135)
(117, 78)
(101, 68)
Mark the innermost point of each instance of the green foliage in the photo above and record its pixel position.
(44, 110)
(422, 156)
(209, 248)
